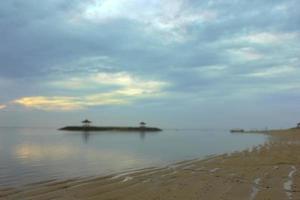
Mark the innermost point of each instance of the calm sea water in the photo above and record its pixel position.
(30, 155)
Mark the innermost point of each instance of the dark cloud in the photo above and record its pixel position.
(199, 49)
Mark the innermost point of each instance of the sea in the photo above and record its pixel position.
(31, 155)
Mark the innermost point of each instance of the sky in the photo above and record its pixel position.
(170, 63)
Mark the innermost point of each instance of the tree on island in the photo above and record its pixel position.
(142, 124)
(86, 123)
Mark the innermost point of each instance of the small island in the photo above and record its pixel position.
(87, 127)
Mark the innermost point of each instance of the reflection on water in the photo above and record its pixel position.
(35, 152)
(142, 135)
(30, 155)
(87, 134)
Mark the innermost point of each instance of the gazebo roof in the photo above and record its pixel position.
(86, 121)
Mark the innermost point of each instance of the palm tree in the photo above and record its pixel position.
(142, 124)
(86, 123)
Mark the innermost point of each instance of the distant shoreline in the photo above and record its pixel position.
(262, 131)
(110, 128)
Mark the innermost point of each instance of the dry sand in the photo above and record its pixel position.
(270, 171)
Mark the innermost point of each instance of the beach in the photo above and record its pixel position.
(268, 171)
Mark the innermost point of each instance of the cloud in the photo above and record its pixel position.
(130, 88)
(2, 106)
(273, 72)
(68, 103)
(266, 38)
(89, 64)
(162, 13)
(270, 38)
(66, 55)
(50, 103)
(211, 71)
(122, 79)
(169, 17)
(245, 54)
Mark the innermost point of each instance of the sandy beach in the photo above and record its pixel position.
(269, 171)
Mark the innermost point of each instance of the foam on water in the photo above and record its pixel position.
(287, 186)
(255, 188)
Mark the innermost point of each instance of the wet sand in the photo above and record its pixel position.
(269, 171)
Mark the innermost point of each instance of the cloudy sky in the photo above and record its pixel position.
(171, 63)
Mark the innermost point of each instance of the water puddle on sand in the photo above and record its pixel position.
(121, 175)
(287, 186)
(214, 170)
(276, 167)
(169, 173)
(189, 167)
(126, 173)
(255, 188)
(128, 178)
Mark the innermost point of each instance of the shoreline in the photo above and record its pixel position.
(268, 171)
